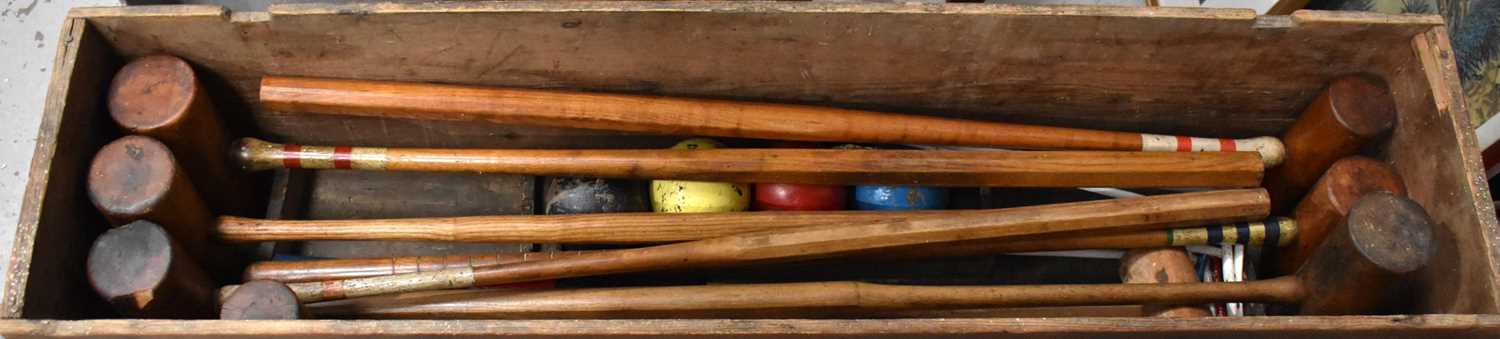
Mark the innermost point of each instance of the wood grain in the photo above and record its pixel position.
(628, 228)
(160, 96)
(71, 129)
(782, 300)
(803, 166)
(1154, 212)
(1433, 148)
(334, 269)
(1092, 77)
(684, 116)
(1351, 112)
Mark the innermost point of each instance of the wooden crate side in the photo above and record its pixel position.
(1425, 326)
(1433, 147)
(1247, 75)
(56, 221)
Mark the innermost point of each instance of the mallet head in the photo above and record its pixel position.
(1384, 238)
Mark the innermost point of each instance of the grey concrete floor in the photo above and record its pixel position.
(28, 44)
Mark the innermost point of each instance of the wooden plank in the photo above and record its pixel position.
(1421, 326)
(46, 263)
(839, 54)
(1434, 149)
(365, 195)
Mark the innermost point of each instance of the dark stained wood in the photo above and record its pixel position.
(1161, 265)
(261, 300)
(160, 96)
(1329, 201)
(143, 272)
(1350, 112)
(1384, 238)
(137, 178)
(348, 195)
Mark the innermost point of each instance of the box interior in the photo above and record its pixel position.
(1212, 73)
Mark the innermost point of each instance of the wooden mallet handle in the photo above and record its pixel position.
(802, 166)
(702, 117)
(783, 300)
(634, 228)
(1154, 212)
(1384, 238)
(1273, 232)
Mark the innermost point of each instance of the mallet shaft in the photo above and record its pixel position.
(1154, 212)
(801, 166)
(779, 300)
(683, 116)
(1273, 232)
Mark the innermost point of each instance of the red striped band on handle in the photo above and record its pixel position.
(343, 157)
(1227, 145)
(291, 156)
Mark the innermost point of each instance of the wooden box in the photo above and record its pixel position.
(1208, 72)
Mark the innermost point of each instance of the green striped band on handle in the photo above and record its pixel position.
(1279, 231)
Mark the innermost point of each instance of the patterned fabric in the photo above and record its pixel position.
(1474, 26)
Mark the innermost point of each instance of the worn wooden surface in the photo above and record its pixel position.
(1328, 202)
(578, 46)
(73, 126)
(144, 272)
(1401, 326)
(138, 178)
(160, 96)
(1161, 265)
(1382, 241)
(1433, 149)
(1350, 112)
(1262, 70)
(362, 195)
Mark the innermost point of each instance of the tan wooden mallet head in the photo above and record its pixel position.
(160, 96)
(1350, 112)
(261, 300)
